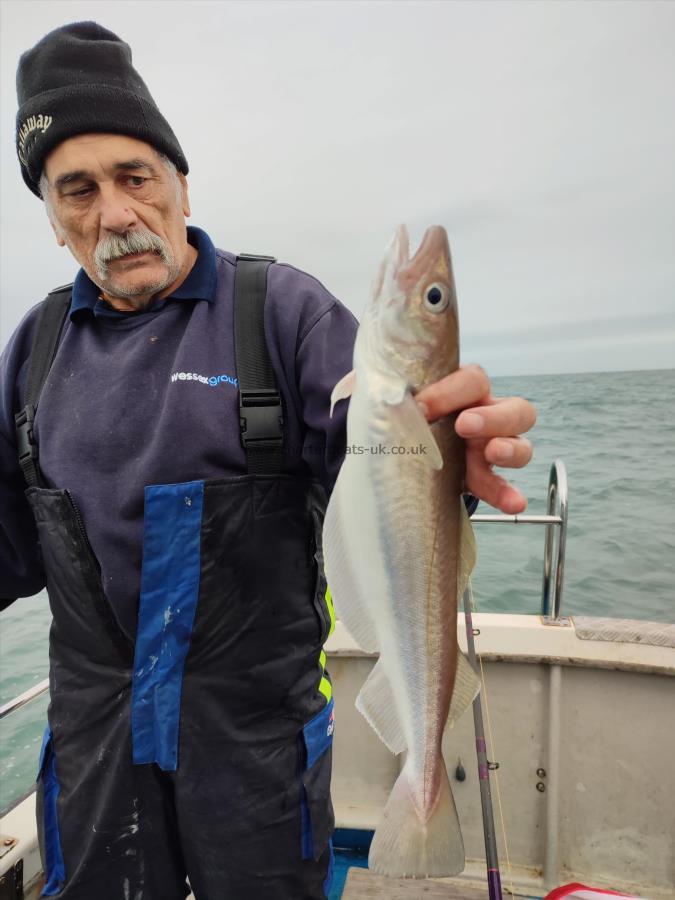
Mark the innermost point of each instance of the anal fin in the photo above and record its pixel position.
(467, 682)
(350, 603)
(467, 686)
(377, 705)
(467, 551)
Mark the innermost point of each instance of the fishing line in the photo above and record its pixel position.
(493, 752)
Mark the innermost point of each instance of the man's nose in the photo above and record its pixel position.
(115, 212)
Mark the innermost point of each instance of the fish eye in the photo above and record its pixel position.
(436, 298)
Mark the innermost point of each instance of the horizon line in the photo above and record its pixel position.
(585, 372)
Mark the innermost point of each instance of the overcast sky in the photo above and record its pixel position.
(540, 134)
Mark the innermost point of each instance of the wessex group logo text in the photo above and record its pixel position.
(212, 380)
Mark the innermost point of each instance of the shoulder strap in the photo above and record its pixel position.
(260, 410)
(48, 330)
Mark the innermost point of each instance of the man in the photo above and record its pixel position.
(188, 694)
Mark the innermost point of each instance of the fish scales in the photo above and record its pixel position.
(398, 549)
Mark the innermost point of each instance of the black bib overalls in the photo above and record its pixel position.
(202, 749)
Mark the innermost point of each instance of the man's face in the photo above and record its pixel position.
(121, 213)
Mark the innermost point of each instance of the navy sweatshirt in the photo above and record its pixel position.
(135, 399)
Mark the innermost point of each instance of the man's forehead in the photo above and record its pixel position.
(95, 152)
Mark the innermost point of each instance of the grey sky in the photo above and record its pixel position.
(541, 135)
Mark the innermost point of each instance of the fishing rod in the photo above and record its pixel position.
(492, 861)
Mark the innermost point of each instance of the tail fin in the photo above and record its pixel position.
(405, 847)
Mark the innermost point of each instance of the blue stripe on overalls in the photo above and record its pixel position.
(55, 871)
(169, 594)
(318, 737)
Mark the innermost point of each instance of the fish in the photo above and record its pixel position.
(399, 548)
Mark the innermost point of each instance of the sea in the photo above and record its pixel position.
(614, 432)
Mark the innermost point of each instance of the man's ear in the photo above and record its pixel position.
(184, 195)
(55, 229)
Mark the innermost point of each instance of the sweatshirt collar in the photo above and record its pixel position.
(199, 285)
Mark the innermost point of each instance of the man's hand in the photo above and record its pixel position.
(491, 427)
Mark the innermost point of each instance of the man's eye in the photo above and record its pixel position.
(137, 180)
(81, 193)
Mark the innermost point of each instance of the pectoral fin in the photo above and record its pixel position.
(414, 427)
(343, 389)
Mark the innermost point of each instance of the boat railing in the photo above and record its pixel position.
(24, 698)
(555, 521)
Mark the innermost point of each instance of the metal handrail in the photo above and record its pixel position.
(551, 597)
(519, 520)
(551, 601)
(24, 698)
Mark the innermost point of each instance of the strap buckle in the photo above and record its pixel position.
(25, 439)
(256, 257)
(261, 418)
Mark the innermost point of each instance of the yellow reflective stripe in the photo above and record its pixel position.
(331, 610)
(326, 688)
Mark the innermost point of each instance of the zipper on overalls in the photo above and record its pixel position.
(80, 525)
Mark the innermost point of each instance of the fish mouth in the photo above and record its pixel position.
(433, 249)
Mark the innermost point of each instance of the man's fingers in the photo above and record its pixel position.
(504, 418)
(492, 427)
(482, 482)
(513, 453)
(464, 387)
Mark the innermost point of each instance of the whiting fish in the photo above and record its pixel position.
(399, 548)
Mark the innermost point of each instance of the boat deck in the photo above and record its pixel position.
(364, 885)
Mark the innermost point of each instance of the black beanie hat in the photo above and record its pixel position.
(79, 79)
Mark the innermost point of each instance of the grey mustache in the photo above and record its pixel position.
(115, 246)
